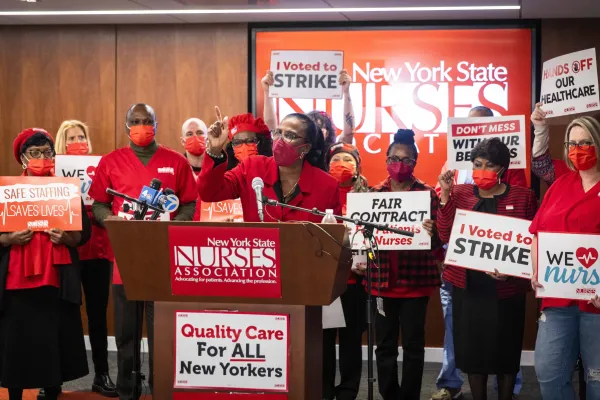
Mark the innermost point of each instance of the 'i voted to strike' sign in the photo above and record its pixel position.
(231, 350)
(306, 74)
(568, 266)
(488, 242)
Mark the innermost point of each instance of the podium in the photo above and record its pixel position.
(314, 270)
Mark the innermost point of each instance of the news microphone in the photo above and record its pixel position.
(147, 197)
(166, 201)
(258, 186)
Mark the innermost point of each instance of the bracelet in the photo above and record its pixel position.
(218, 157)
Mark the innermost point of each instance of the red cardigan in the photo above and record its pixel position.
(517, 202)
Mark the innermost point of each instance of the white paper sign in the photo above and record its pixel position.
(466, 133)
(82, 167)
(485, 242)
(333, 315)
(231, 350)
(568, 266)
(401, 210)
(306, 74)
(570, 84)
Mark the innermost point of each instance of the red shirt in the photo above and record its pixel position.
(567, 208)
(98, 247)
(122, 170)
(318, 189)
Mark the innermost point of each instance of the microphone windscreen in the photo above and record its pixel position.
(257, 183)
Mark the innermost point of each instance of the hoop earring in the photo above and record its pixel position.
(24, 166)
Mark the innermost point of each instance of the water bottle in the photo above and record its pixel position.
(329, 218)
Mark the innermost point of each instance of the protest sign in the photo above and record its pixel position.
(570, 84)
(235, 262)
(400, 210)
(40, 203)
(306, 74)
(466, 133)
(231, 350)
(222, 211)
(82, 167)
(485, 242)
(568, 265)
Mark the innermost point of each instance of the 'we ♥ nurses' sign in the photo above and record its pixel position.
(39, 203)
(82, 167)
(485, 242)
(231, 350)
(568, 266)
(306, 74)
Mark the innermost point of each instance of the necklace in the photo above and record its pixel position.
(291, 190)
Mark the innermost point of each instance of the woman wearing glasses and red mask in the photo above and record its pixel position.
(41, 335)
(248, 136)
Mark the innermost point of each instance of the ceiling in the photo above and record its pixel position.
(170, 11)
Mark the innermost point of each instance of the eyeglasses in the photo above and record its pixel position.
(38, 154)
(287, 136)
(239, 142)
(583, 145)
(406, 160)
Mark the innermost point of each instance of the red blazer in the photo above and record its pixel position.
(517, 203)
(318, 189)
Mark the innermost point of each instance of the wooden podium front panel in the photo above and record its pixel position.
(305, 352)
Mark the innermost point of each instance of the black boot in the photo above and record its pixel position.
(49, 393)
(104, 385)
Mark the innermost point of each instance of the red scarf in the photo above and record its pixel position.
(344, 190)
(38, 255)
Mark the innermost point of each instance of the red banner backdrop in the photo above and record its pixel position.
(413, 79)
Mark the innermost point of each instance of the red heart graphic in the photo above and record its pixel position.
(91, 171)
(587, 257)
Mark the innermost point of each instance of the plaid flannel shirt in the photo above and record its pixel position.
(415, 267)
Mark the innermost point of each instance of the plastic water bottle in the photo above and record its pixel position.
(329, 218)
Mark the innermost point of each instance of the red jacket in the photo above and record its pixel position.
(318, 189)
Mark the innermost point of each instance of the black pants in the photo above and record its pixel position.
(95, 279)
(407, 317)
(126, 343)
(350, 345)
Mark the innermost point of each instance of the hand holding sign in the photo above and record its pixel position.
(267, 81)
(446, 181)
(429, 226)
(20, 238)
(58, 236)
(345, 81)
(497, 275)
(538, 118)
(218, 133)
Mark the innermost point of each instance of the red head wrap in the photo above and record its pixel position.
(247, 123)
(343, 148)
(22, 138)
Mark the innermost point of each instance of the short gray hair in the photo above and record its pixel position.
(198, 121)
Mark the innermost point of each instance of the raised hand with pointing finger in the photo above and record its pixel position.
(218, 134)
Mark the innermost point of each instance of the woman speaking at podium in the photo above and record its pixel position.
(41, 336)
(294, 175)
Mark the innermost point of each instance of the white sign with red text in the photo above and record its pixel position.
(568, 266)
(488, 242)
(231, 351)
(400, 210)
(82, 167)
(466, 133)
(570, 84)
(306, 74)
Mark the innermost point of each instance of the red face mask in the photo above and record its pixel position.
(485, 179)
(141, 135)
(343, 171)
(40, 167)
(284, 153)
(195, 145)
(400, 171)
(77, 149)
(583, 159)
(245, 150)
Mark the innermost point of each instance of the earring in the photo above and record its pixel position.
(23, 166)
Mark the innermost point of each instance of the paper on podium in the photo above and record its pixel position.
(333, 315)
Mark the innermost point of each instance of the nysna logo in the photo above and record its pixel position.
(564, 270)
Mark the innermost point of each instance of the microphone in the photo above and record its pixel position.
(258, 186)
(147, 197)
(166, 201)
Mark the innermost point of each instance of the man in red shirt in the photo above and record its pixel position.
(127, 170)
(193, 139)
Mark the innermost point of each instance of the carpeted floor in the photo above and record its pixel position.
(79, 390)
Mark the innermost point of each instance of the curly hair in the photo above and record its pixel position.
(323, 120)
(493, 150)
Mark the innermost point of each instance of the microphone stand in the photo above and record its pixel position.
(368, 229)
(136, 373)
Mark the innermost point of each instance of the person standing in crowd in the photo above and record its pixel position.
(248, 136)
(193, 139)
(41, 334)
(567, 328)
(127, 170)
(96, 259)
(404, 281)
(488, 308)
(450, 381)
(321, 118)
(344, 165)
(294, 175)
